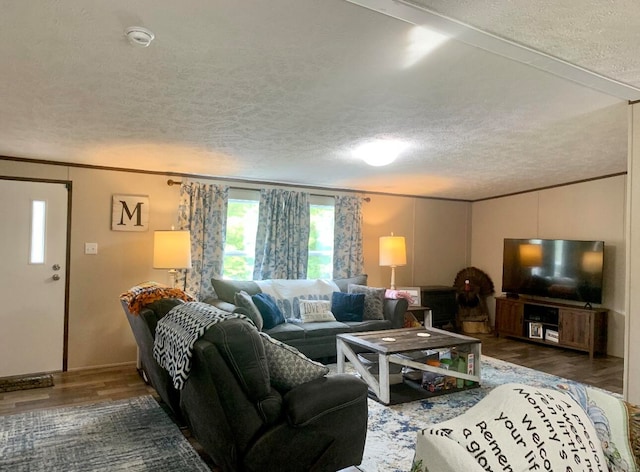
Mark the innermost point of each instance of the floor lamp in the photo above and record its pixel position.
(393, 253)
(172, 250)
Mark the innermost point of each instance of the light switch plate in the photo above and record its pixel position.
(91, 248)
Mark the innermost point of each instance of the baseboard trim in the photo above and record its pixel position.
(103, 366)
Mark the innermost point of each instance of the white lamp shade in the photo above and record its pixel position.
(393, 251)
(171, 250)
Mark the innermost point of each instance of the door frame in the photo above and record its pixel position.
(67, 269)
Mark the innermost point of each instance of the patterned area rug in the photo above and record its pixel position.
(136, 435)
(133, 435)
(392, 429)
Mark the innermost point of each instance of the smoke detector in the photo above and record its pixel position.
(139, 36)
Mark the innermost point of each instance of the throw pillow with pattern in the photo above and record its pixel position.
(373, 301)
(315, 310)
(288, 367)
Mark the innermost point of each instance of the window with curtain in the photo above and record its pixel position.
(203, 211)
(348, 256)
(242, 223)
(240, 244)
(225, 229)
(320, 260)
(282, 241)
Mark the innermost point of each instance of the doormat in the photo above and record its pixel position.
(10, 384)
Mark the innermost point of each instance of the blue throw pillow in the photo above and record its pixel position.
(271, 314)
(347, 306)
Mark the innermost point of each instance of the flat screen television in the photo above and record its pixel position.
(553, 268)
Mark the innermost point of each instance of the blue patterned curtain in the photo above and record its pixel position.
(348, 258)
(282, 240)
(203, 211)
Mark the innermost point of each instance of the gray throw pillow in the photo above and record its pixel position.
(226, 289)
(343, 284)
(373, 301)
(288, 367)
(243, 300)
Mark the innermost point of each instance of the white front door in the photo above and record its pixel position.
(33, 276)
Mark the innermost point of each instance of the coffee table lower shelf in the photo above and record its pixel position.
(409, 391)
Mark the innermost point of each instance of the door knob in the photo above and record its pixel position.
(56, 267)
(55, 277)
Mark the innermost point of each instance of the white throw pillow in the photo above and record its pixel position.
(316, 310)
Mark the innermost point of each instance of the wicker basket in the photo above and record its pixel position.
(475, 327)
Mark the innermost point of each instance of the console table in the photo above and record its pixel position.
(554, 324)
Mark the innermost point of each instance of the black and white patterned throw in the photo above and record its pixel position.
(177, 333)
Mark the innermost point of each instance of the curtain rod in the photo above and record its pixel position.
(171, 183)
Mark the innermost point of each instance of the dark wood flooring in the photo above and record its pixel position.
(112, 383)
(78, 388)
(604, 372)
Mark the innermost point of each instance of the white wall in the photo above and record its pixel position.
(632, 347)
(98, 330)
(592, 210)
(436, 233)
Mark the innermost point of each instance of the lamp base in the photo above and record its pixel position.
(173, 274)
(393, 277)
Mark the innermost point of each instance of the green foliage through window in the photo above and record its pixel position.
(320, 263)
(240, 245)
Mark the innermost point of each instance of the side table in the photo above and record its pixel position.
(422, 314)
(442, 301)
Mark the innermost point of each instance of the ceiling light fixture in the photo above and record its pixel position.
(139, 36)
(380, 152)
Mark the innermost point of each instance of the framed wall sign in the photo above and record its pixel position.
(130, 213)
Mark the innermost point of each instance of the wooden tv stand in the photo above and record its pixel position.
(583, 329)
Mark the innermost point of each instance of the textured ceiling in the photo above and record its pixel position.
(283, 91)
(601, 36)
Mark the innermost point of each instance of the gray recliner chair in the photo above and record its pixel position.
(245, 424)
(240, 420)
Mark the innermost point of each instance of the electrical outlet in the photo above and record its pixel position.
(91, 248)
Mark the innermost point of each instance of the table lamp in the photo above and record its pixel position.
(393, 253)
(172, 250)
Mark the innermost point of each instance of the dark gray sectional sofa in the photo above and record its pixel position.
(316, 340)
